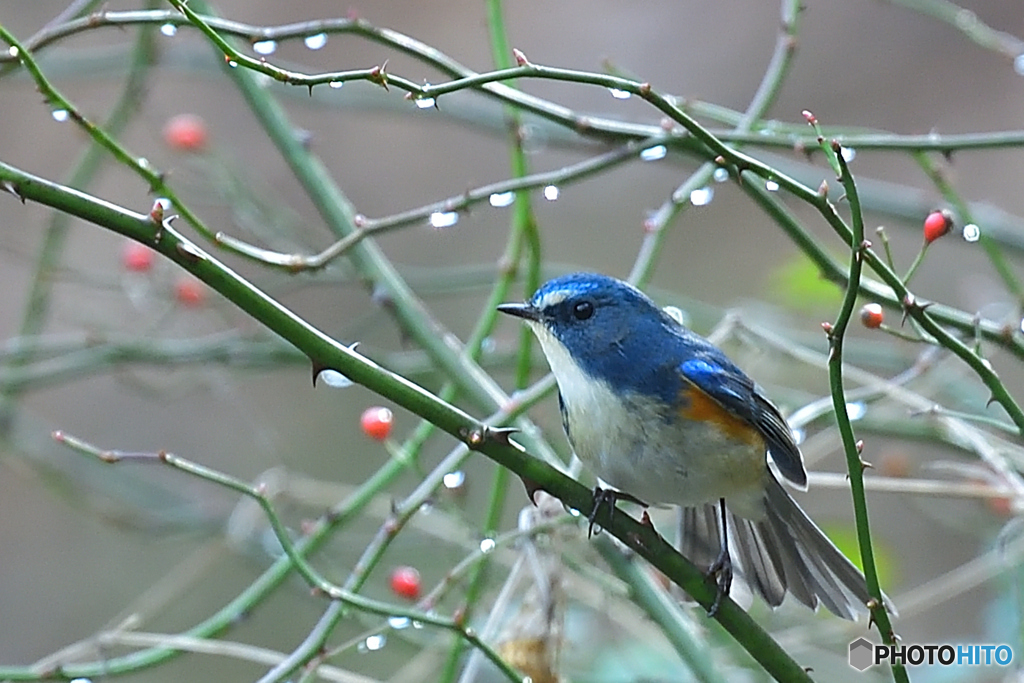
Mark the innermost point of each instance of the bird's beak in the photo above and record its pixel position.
(524, 311)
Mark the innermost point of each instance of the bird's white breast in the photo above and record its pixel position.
(640, 446)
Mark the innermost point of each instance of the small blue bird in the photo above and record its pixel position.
(660, 413)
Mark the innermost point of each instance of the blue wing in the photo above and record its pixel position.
(714, 375)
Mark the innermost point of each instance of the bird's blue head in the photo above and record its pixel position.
(605, 327)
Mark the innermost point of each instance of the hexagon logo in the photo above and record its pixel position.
(861, 654)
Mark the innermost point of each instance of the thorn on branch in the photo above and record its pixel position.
(188, 252)
(499, 434)
(379, 75)
(532, 487)
(318, 367)
(645, 520)
(11, 188)
(909, 301)
(520, 57)
(164, 224)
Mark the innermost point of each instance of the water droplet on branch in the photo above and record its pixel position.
(373, 643)
(454, 480)
(315, 41)
(443, 219)
(654, 153)
(265, 47)
(702, 196)
(334, 379)
(500, 199)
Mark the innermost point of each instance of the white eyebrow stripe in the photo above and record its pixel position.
(552, 298)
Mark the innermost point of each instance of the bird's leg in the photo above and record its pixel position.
(721, 568)
(607, 497)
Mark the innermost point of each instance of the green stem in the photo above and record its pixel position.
(37, 303)
(327, 353)
(523, 229)
(771, 82)
(855, 466)
(918, 260)
(663, 609)
(371, 264)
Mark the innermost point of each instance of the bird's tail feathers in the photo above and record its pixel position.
(783, 552)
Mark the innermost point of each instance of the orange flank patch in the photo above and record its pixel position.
(700, 407)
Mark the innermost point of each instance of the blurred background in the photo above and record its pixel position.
(84, 545)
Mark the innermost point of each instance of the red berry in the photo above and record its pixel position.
(189, 292)
(186, 132)
(376, 422)
(871, 315)
(1001, 506)
(405, 581)
(937, 224)
(136, 257)
(895, 463)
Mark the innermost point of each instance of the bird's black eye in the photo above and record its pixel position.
(583, 310)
